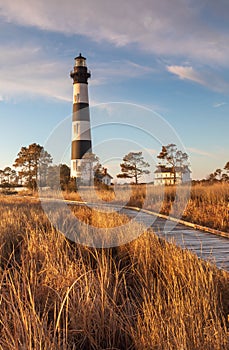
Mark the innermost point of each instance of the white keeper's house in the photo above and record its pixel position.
(104, 177)
(164, 175)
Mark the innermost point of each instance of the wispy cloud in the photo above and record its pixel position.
(205, 78)
(118, 71)
(220, 104)
(171, 30)
(40, 75)
(35, 76)
(200, 152)
(165, 28)
(186, 73)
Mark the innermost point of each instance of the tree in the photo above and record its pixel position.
(133, 166)
(29, 159)
(211, 178)
(218, 174)
(173, 158)
(7, 174)
(13, 177)
(58, 176)
(64, 175)
(53, 177)
(226, 167)
(225, 177)
(1, 176)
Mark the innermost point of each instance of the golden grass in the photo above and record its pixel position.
(207, 205)
(147, 294)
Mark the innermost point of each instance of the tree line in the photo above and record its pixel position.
(219, 175)
(35, 168)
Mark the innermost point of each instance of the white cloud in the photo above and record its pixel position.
(171, 30)
(205, 78)
(33, 73)
(186, 73)
(200, 152)
(35, 76)
(220, 104)
(162, 27)
(118, 71)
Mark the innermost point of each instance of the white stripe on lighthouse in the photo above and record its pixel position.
(81, 130)
(80, 93)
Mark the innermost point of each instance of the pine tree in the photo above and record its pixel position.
(29, 159)
(133, 166)
(173, 158)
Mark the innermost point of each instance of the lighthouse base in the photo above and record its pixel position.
(82, 171)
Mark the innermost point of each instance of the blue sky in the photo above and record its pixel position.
(168, 56)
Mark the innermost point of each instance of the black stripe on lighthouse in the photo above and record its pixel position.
(80, 148)
(80, 112)
(79, 105)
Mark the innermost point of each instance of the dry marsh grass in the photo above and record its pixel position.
(204, 205)
(147, 294)
(207, 205)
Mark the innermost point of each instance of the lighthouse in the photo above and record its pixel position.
(81, 130)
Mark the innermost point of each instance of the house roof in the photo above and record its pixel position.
(111, 177)
(165, 169)
(101, 176)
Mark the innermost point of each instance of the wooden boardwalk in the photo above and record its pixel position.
(206, 245)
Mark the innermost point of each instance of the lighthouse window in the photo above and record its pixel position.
(80, 62)
(77, 98)
(76, 129)
(74, 166)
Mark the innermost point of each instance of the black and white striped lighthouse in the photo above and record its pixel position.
(81, 130)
